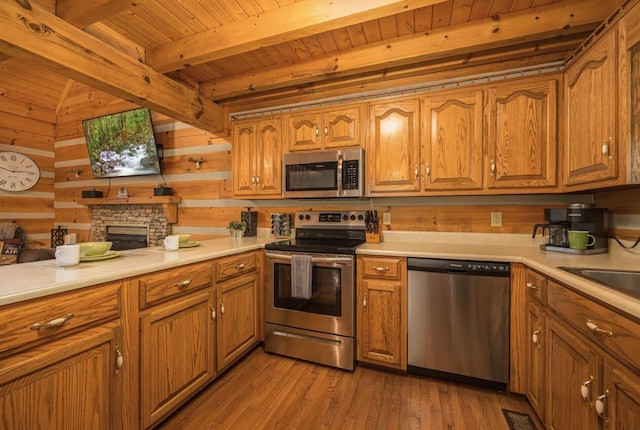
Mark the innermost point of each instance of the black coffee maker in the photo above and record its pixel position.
(578, 216)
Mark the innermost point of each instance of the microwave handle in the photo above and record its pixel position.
(339, 174)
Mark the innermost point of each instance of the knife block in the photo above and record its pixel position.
(374, 237)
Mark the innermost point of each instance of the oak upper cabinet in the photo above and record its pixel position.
(452, 141)
(382, 311)
(62, 361)
(393, 147)
(257, 158)
(522, 120)
(317, 129)
(177, 337)
(591, 148)
(238, 313)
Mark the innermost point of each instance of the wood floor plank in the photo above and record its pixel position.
(270, 392)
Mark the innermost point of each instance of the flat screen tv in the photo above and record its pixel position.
(122, 144)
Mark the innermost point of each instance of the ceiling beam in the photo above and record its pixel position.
(552, 20)
(31, 33)
(82, 13)
(285, 24)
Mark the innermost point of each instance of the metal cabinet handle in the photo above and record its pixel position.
(532, 287)
(317, 131)
(119, 359)
(326, 131)
(416, 172)
(239, 266)
(183, 284)
(257, 179)
(221, 308)
(606, 147)
(381, 269)
(253, 180)
(535, 339)
(57, 322)
(428, 170)
(600, 404)
(594, 328)
(364, 301)
(493, 167)
(585, 392)
(213, 312)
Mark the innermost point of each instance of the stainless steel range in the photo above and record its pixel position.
(310, 285)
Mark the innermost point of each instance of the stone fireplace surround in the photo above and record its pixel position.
(130, 214)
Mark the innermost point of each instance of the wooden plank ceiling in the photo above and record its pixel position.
(235, 51)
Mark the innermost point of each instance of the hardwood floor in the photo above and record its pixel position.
(266, 391)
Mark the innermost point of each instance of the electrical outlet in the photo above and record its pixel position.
(496, 219)
(386, 218)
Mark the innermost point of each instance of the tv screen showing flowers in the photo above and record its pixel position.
(122, 144)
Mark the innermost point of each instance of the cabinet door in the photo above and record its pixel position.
(522, 142)
(268, 157)
(381, 323)
(244, 147)
(176, 353)
(70, 384)
(570, 364)
(342, 128)
(591, 147)
(621, 399)
(237, 318)
(303, 131)
(535, 353)
(393, 147)
(452, 141)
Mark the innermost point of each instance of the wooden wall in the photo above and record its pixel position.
(28, 100)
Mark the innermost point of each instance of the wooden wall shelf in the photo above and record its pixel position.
(169, 203)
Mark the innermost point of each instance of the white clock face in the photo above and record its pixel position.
(17, 172)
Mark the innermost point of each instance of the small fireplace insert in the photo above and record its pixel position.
(127, 236)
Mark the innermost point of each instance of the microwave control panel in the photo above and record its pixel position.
(350, 176)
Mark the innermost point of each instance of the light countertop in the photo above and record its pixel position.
(516, 249)
(25, 281)
(31, 280)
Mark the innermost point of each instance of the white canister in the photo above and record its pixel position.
(67, 255)
(171, 243)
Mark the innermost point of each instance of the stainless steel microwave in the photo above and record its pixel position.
(324, 174)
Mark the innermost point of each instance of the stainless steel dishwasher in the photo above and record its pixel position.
(458, 315)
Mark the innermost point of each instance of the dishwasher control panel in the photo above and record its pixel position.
(460, 266)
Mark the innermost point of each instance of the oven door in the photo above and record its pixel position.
(331, 306)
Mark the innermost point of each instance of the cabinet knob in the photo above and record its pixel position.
(606, 147)
(364, 301)
(57, 322)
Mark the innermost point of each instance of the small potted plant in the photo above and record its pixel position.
(237, 228)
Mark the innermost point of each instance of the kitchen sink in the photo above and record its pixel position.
(624, 281)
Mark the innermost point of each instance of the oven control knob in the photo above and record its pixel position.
(360, 217)
(353, 217)
(307, 217)
(301, 217)
(345, 217)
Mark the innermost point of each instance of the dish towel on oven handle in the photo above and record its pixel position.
(301, 276)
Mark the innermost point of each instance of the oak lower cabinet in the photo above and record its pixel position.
(61, 361)
(257, 158)
(382, 311)
(591, 353)
(177, 337)
(177, 357)
(238, 313)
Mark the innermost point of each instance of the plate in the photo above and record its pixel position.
(106, 256)
(189, 244)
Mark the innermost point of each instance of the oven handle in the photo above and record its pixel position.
(325, 260)
(339, 174)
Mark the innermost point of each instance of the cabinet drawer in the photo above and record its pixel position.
(160, 286)
(613, 332)
(389, 268)
(39, 319)
(536, 286)
(228, 267)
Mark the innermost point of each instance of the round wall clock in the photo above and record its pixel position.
(17, 171)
